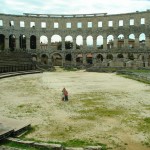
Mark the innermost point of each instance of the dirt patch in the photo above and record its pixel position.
(102, 107)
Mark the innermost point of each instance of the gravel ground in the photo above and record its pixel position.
(102, 107)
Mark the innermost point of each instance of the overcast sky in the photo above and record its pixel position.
(72, 6)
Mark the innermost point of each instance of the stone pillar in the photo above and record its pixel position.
(126, 45)
(84, 43)
(84, 59)
(63, 59)
(38, 43)
(94, 59)
(104, 43)
(63, 44)
(7, 43)
(49, 61)
(147, 42)
(104, 62)
(115, 42)
(28, 43)
(95, 43)
(74, 59)
(125, 56)
(136, 42)
(115, 57)
(17, 43)
(74, 44)
(146, 61)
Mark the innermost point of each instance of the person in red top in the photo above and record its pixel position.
(65, 92)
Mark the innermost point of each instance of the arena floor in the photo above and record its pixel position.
(102, 107)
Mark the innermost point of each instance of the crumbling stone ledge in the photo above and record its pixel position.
(48, 146)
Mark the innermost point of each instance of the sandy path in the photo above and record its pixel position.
(36, 99)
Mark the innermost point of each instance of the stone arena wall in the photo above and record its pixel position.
(117, 48)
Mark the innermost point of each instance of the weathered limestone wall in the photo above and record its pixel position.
(126, 29)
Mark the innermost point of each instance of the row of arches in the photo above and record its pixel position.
(89, 58)
(56, 41)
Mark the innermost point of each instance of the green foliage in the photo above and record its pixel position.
(141, 75)
(144, 125)
(81, 143)
(19, 146)
(28, 108)
(147, 120)
(69, 68)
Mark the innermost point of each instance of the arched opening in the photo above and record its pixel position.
(131, 41)
(119, 56)
(89, 41)
(33, 42)
(2, 42)
(79, 59)
(109, 57)
(121, 41)
(130, 56)
(89, 58)
(142, 38)
(110, 42)
(12, 42)
(79, 42)
(68, 58)
(99, 58)
(68, 42)
(44, 59)
(99, 42)
(43, 42)
(57, 59)
(22, 41)
(56, 42)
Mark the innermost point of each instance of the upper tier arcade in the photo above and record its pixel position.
(123, 30)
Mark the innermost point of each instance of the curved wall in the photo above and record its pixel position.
(125, 38)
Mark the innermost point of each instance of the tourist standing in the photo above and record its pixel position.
(65, 93)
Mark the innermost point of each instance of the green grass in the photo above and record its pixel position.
(144, 125)
(70, 69)
(81, 143)
(19, 146)
(136, 74)
(93, 106)
(27, 108)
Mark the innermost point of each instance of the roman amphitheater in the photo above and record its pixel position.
(120, 40)
(104, 108)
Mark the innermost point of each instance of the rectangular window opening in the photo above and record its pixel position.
(131, 22)
(110, 23)
(89, 24)
(22, 24)
(1, 23)
(100, 24)
(68, 25)
(142, 20)
(120, 23)
(43, 24)
(56, 25)
(79, 25)
(32, 24)
(11, 23)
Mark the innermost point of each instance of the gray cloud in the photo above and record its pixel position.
(72, 6)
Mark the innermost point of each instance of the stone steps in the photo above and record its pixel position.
(12, 74)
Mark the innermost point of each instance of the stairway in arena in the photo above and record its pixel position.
(16, 61)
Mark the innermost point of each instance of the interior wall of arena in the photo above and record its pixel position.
(120, 40)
